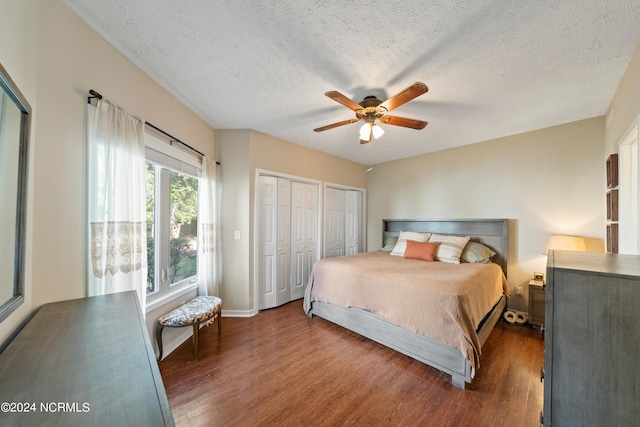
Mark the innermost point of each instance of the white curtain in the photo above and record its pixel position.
(117, 252)
(207, 216)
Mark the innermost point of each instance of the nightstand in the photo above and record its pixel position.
(536, 304)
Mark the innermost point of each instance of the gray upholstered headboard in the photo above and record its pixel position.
(493, 233)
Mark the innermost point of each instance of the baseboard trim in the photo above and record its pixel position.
(168, 346)
(186, 333)
(238, 313)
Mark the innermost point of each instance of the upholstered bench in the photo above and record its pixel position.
(198, 310)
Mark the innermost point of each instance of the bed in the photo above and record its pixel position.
(355, 292)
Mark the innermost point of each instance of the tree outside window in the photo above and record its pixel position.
(172, 236)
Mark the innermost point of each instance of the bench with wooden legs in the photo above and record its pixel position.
(199, 310)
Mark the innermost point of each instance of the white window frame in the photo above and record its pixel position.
(162, 153)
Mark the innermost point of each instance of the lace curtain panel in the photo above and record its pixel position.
(208, 255)
(122, 241)
(117, 251)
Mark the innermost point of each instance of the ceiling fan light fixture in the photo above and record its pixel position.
(365, 132)
(371, 109)
(377, 131)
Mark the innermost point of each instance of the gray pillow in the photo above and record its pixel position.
(476, 252)
(389, 243)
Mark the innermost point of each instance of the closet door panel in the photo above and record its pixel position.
(304, 231)
(283, 273)
(334, 244)
(267, 251)
(353, 215)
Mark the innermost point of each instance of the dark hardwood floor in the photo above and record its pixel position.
(281, 368)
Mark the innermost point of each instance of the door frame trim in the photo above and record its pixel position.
(630, 137)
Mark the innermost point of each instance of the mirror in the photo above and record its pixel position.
(15, 116)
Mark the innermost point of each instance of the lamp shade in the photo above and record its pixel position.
(365, 132)
(377, 131)
(565, 243)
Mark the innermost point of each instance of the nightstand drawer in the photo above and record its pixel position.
(536, 305)
(538, 312)
(537, 293)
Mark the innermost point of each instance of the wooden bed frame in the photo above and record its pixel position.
(490, 232)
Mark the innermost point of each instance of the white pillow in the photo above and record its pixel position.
(450, 247)
(401, 245)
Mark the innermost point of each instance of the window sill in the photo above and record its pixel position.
(170, 296)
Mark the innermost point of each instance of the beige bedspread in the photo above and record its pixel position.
(445, 302)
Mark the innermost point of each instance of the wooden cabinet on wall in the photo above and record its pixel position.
(592, 340)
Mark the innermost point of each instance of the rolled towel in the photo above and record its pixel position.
(509, 316)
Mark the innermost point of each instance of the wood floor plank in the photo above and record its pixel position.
(281, 368)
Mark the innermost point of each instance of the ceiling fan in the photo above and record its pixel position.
(372, 109)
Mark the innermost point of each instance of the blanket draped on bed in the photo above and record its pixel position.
(444, 302)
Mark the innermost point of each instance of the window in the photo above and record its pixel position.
(172, 219)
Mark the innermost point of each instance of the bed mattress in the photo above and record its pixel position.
(445, 302)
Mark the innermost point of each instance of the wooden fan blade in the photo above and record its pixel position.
(338, 97)
(335, 125)
(403, 121)
(362, 141)
(404, 96)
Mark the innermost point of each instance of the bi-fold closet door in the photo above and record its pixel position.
(342, 222)
(288, 238)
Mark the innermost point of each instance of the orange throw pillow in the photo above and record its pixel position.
(425, 251)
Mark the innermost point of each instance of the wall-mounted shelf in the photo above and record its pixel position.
(612, 204)
(612, 238)
(612, 171)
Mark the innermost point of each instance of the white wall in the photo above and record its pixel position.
(625, 106)
(233, 151)
(241, 152)
(550, 181)
(55, 59)
(18, 57)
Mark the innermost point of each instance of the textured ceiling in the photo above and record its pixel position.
(494, 68)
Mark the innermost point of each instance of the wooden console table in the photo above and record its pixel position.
(84, 362)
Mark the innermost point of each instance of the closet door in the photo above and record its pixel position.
(334, 242)
(268, 240)
(353, 221)
(283, 268)
(304, 232)
(274, 259)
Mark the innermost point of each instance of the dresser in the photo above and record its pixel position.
(592, 340)
(83, 362)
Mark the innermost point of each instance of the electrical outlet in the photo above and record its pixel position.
(518, 290)
(236, 234)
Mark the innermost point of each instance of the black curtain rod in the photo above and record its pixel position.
(93, 94)
(174, 138)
